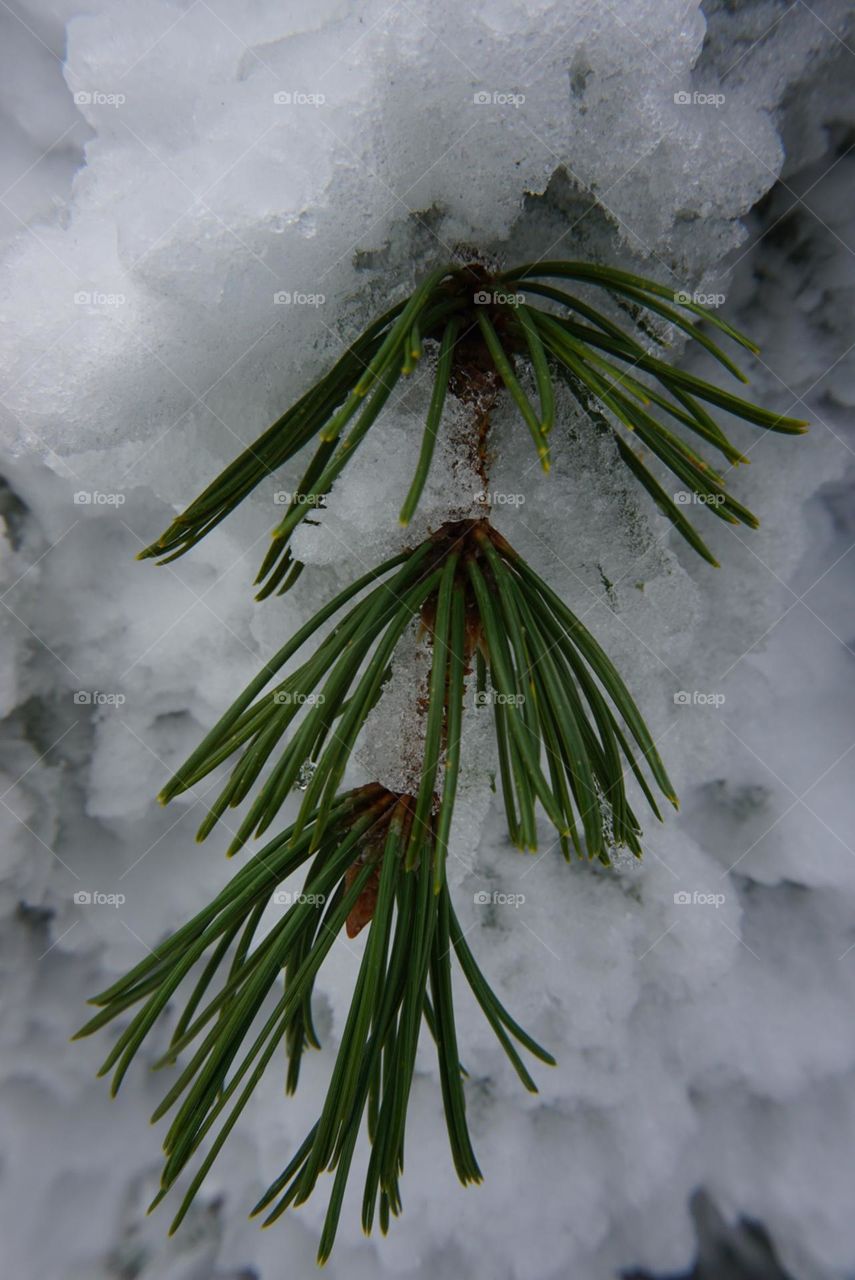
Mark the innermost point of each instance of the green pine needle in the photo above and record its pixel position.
(447, 304)
(564, 720)
(238, 1014)
(558, 702)
(569, 735)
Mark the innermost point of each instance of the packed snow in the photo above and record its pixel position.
(203, 202)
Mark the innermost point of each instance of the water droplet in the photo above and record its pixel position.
(304, 777)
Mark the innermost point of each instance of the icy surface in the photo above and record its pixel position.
(706, 1043)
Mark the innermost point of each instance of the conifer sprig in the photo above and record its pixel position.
(608, 369)
(564, 720)
(568, 732)
(236, 1013)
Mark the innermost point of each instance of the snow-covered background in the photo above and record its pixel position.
(168, 169)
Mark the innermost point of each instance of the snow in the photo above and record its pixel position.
(157, 199)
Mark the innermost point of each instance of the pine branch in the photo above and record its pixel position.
(236, 1016)
(557, 698)
(601, 362)
(568, 732)
(375, 858)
